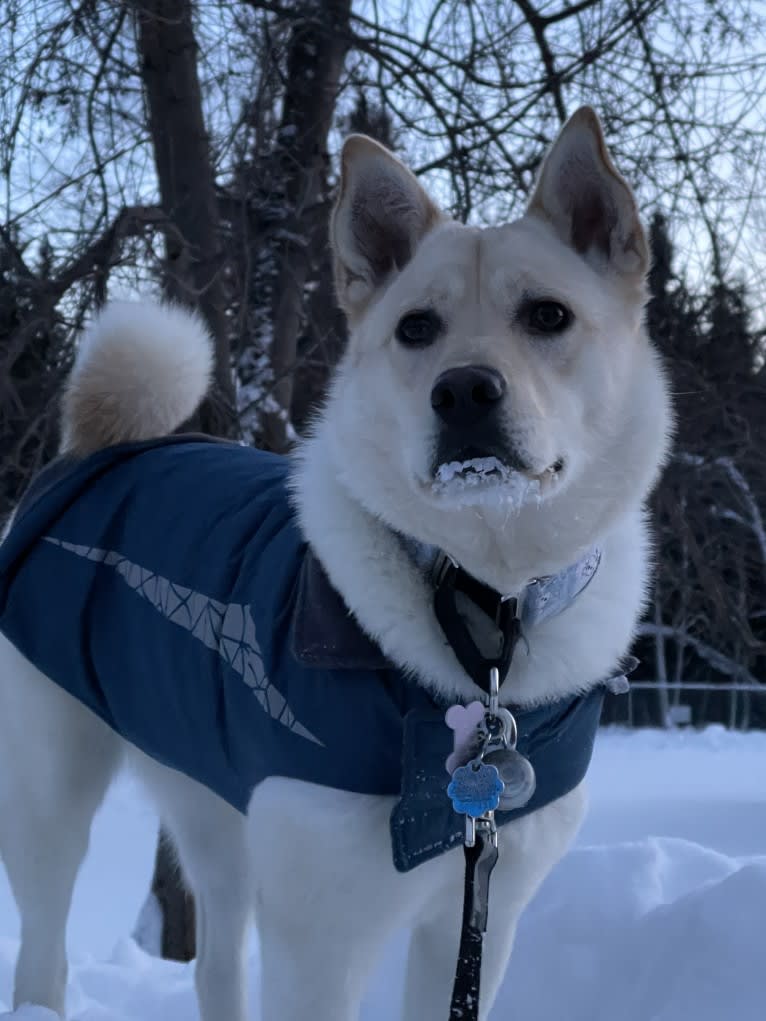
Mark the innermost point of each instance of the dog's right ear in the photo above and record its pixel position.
(381, 215)
(588, 203)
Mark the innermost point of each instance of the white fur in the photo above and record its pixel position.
(317, 862)
(140, 371)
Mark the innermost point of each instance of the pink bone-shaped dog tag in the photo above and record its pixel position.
(467, 722)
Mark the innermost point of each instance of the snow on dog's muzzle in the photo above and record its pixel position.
(478, 479)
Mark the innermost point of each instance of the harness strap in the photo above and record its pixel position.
(491, 641)
(480, 859)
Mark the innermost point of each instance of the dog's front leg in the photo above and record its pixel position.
(321, 933)
(327, 898)
(315, 970)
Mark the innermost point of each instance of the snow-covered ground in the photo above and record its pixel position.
(656, 915)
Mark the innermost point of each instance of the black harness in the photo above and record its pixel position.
(482, 644)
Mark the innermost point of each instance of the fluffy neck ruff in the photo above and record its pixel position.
(383, 580)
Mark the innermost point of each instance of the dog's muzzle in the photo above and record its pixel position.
(467, 401)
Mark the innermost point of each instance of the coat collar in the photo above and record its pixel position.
(325, 633)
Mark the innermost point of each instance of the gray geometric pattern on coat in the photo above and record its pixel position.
(227, 628)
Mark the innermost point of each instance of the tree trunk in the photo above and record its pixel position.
(194, 256)
(168, 54)
(318, 45)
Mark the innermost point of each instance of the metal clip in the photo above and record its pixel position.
(470, 831)
(485, 823)
(501, 730)
(497, 713)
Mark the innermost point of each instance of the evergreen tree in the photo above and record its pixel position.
(705, 623)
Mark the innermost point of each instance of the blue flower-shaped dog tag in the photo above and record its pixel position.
(475, 789)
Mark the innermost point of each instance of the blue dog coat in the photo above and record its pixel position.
(167, 587)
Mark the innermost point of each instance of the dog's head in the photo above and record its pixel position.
(493, 369)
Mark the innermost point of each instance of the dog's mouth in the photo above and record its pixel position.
(472, 479)
(474, 471)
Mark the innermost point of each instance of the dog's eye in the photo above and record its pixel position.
(419, 329)
(547, 316)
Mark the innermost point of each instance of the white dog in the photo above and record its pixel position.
(499, 401)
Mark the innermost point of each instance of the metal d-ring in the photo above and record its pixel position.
(494, 690)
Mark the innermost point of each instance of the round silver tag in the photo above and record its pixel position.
(517, 774)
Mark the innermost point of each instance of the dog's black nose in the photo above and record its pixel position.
(465, 396)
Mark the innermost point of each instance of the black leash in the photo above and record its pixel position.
(480, 859)
(484, 643)
(483, 627)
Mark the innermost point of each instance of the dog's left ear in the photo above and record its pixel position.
(589, 204)
(381, 216)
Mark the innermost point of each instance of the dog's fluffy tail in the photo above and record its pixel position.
(140, 371)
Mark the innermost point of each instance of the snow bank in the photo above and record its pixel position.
(660, 930)
(656, 915)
